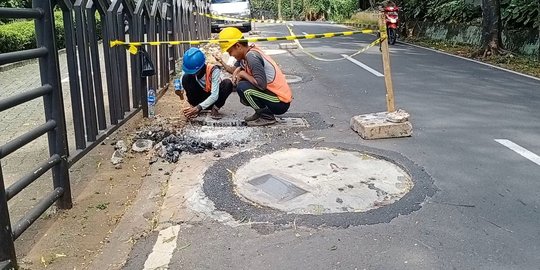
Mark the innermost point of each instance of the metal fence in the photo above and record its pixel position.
(141, 20)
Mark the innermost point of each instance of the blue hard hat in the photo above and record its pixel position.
(193, 61)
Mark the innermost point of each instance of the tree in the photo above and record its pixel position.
(491, 28)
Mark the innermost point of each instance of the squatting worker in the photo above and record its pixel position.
(203, 85)
(259, 81)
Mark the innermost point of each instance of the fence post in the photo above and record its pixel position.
(386, 65)
(7, 248)
(75, 90)
(54, 105)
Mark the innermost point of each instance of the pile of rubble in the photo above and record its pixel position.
(166, 139)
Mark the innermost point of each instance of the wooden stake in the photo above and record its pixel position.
(386, 64)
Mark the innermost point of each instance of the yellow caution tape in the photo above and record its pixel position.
(237, 19)
(132, 45)
(372, 44)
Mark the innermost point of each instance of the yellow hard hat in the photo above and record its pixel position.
(229, 33)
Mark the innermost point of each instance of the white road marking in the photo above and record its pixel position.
(520, 150)
(65, 80)
(362, 65)
(163, 249)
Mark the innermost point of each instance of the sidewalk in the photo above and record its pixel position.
(16, 121)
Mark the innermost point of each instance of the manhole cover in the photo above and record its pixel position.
(296, 122)
(293, 79)
(274, 52)
(321, 181)
(229, 121)
(279, 189)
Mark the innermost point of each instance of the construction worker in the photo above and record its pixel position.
(203, 85)
(258, 79)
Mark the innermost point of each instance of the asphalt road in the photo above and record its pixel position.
(485, 213)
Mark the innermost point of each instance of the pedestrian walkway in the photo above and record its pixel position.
(20, 119)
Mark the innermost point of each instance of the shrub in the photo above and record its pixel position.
(15, 36)
(20, 35)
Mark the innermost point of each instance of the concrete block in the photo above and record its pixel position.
(288, 46)
(376, 126)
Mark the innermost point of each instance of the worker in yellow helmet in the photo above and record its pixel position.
(259, 81)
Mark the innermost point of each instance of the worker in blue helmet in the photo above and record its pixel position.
(203, 85)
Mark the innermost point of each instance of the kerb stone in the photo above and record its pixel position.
(376, 126)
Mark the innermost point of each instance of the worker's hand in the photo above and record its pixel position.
(192, 111)
(242, 75)
(235, 78)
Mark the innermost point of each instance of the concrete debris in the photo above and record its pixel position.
(118, 166)
(171, 147)
(121, 146)
(117, 157)
(142, 145)
(398, 116)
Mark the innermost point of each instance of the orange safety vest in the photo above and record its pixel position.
(208, 75)
(279, 85)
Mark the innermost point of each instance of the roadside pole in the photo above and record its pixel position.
(386, 64)
(389, 124)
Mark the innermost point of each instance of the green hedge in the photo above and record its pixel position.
(20, 35)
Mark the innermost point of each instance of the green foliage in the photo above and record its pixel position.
(514, 13)
(14, 4)
(454, 11)
(314, 9)
(16, 36)
(520, 13)
(20, 35)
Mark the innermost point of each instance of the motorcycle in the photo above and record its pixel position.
(392, 20)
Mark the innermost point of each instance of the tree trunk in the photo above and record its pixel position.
(292, 10)
(491, 29)
(279, 10)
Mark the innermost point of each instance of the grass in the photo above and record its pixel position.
(519, 63)
(365, 17)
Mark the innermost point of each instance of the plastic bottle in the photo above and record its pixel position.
(151, 103)
(178, 86)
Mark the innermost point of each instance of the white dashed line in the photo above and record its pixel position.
(520, 150)
(362, 65)
(163, 249)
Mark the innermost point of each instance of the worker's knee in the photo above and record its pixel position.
(242, 86)
(226, 84)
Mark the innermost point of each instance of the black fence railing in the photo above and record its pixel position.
(96, 111)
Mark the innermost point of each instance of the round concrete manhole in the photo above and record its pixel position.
(321, 181)
(293, 79)
(334, 184)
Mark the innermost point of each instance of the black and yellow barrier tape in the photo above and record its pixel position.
(237, 19)
(132, 46)
(372, 44)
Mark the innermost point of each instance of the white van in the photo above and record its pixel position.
(231, 8)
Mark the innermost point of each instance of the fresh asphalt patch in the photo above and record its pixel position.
(219, 187)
